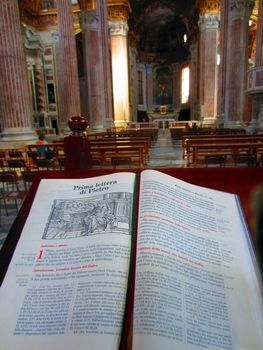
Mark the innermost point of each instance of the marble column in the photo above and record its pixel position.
(96, 50)
(259, 37)
(69, 103)
(15, 100)
(176, 85)
(193, 88)
(209, 25)
(133, 82)
(237, 61)
(255, 87)
(149, 87)
(222, 51)
(119, 57)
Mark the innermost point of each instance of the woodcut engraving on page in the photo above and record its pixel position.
(72, 218)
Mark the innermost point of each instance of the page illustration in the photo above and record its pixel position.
(107, 213)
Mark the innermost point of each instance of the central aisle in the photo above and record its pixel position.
(165, 153)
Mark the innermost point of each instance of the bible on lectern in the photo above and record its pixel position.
(94, 267)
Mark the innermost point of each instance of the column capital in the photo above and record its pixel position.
(118, 28)
(209, 21)
(208, 6)
(118, 10)
(241, 9)
(89, 19)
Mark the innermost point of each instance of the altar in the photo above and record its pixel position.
(163, 120)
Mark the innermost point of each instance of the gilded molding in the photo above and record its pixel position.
(87, 4)
(118, 10)
(208, 6)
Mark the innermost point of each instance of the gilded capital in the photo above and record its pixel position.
(118, 10)
(208, 6)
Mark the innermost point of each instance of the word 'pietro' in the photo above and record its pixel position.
(93, 188)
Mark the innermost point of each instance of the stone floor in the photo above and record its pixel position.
(163, 154)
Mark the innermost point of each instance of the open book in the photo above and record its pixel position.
(85, 244)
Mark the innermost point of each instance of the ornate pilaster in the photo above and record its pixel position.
(68, 69)
(236, 62)
(15, 100)
(40, 86)
(209, 26)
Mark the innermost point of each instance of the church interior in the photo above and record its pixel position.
(100, 100)
(156, 83)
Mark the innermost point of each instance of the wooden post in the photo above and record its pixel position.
(76, 146)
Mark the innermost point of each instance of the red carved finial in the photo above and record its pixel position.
(78, 125)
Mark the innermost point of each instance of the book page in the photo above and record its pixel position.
(196, 286)
(67, 282)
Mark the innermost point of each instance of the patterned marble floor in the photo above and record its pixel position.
(163, 154)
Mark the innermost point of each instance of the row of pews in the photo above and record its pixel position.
(229, 148)
(131, 147)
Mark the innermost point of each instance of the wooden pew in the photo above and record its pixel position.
(227, 148)
(124, 141)
(147, 132)
(190, 143)
(105, 150)
(179, 133)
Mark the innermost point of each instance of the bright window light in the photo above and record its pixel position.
(185, 85)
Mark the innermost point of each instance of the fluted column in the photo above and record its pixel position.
(149, 86)
(237, 60)
(209, 25)
(222, 51)
(69, 104)
(193, 89)
(133, 82)
(15, 100)
(259, 36)
(176, 85)
(94, 25)
(118, 18)
(255, 86)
